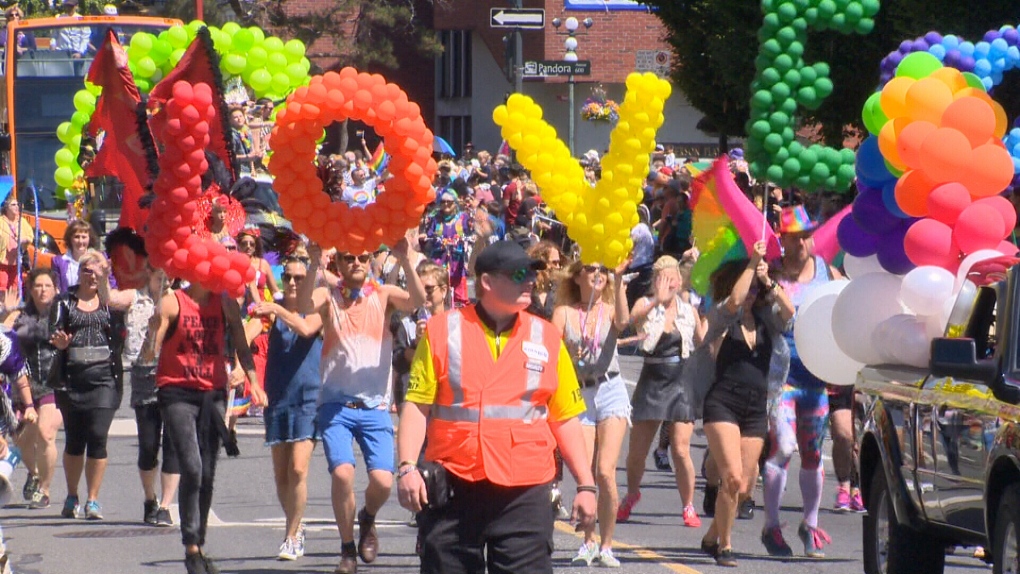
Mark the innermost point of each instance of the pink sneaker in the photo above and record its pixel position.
(856, 503)
(691, 517)
(842, 500)
(626, 506)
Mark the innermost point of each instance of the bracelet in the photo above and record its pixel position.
(587, 488)
(404, 463)
(406, 471)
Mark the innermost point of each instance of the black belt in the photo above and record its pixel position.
(594, 382)
(360, 405)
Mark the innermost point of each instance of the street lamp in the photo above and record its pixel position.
(570, 45)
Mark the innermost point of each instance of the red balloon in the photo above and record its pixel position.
(930, 242)
(1005, 209)
(183, 92)
(978, 227)
(1007, 248)
(947, 201)
(201, 273)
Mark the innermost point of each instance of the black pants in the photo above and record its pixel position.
(85, 429)
(505, 529)
(189, 419)
(151, 437)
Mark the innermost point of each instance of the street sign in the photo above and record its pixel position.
(546, 68)
(528, 18)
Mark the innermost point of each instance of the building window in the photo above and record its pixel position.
(456, 130)
(455, 64)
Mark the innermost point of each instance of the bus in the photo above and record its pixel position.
(38, 94)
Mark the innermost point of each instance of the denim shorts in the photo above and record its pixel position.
(340, 426)
(289, 424)
(608, 399)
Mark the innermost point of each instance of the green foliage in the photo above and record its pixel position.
(715, 45)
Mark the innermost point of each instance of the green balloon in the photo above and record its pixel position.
(177, 36)
(854, 12)
(258, 57)
(231, 28)
(277, 62)
(296, 73)
(771, 21)
(281, 83)
(771, 76)
(783, 62)
(64, 132)
(760, 129)
(864, 26)
(761, 99)
(873, 116)
(143, 85)
(63, 157)
(839, 22)
(824, 87)
(791, 168)
(811, 16)
(803, 181)
(821, 69)
(808, 97)
(819, 172)
(848, 156)
(771, 48)
(63, 176)
(846, 172)
(778, 121)
(786, 11)
(795, 148)
(234, 63)
(141, 43)
(79, 120)
(261, 80)
(808, 75)
(763, 61)
(781, 155)
(973, 80)
(306, 64)
(918, 65)
(774, 173)
(795, 50)
(792, 78)
(84, 101)
(786, 36)
(161, 51)
(176, 56)
(800, 25)
(826, 10)
(870, 7)
(808, 158)
(780, 92)
(773, 142)
(193, 27)
(243, 40)
(273, 44)
(295, 50)
(146, 67)
(788, 107)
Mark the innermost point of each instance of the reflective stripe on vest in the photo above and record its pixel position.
(457, 412)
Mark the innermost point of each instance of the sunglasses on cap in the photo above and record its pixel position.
(520, 276)
(363, 258)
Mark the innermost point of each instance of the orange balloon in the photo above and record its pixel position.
(951, 77)
(990, 170)
(887, 138)
(909, 141)
(973, 117)
(945, 155)
(894, 97)
(1001, 120)
(927, 99)
(912, 192)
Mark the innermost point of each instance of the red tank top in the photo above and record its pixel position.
(194, 356)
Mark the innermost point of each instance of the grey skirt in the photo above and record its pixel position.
(659, 395)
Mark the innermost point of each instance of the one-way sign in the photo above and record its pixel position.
(533, 18)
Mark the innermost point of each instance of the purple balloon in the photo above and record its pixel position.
(871, 215)
(967, 63)
(855, 240)
(905, 46)
(895, 58)
(933, 38)
(992, 35)
(1012, 36)
(891, 255)
(952, 58)
(919, 45)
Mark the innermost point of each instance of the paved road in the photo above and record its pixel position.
(248, 526)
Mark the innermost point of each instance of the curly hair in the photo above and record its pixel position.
(569, 292)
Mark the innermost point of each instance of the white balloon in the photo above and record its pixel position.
(925, 289)
(815, 293)
(861, 306)
(960, 310)
(859, 266)
(912, 343)
(971, 260)
(816, 344)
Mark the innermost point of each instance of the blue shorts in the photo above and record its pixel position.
(340, 426)
(608, 399)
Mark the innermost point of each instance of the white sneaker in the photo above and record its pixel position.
(287, 550)
(586, 554)
(607, 560)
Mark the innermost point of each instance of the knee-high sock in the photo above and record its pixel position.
(775, 485)
(811, 490)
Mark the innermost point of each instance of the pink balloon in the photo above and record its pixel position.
(826, 243)
(747, 219)
(947, 201)
(1007, 248)
(930, 242)
(978, 227)
(1005, 209)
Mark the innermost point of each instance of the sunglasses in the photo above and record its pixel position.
(520, 276)
(364, 258)
(231, 248)
(288, 277)
(430, 289)
(247, 244)
(595, 269)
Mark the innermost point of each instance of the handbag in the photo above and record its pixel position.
(437, 484)
(59, 317)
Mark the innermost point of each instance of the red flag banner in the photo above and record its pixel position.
(122, 153)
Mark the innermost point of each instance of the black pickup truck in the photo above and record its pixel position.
(939, 449)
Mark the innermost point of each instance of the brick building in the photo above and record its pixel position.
(474, 75)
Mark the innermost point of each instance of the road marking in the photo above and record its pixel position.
(640, 551)
(311, 524)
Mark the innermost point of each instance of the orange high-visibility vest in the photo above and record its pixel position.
(488, 421)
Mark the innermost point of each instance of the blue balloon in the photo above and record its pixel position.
(982, 67)
(939, 51)
(871, 215)
(871, 165)
(854, 240)
(951, 42)
(966, 48)
(889, 199)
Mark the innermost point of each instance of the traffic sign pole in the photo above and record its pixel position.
(518, 55)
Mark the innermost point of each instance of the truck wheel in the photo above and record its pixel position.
(1006, 538)
(891, 547)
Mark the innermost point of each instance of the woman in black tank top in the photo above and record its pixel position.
(744, 328)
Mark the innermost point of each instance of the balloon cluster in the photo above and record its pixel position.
(170, 238)
(988, 60)
(268, 65)
(382, 106)
(598, 218)
(935, 153)
(784, 82)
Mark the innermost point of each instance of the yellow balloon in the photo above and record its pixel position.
(500, 115)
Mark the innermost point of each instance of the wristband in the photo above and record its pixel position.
(406, 471)
(404, 463)
(587, 488)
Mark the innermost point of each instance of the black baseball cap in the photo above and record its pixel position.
(505, 256)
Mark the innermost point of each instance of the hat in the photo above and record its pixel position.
(795, 220)
(736, 153)
(70, 3)
(667, 171)
(659, 147)
(110, 10)
(506, 256)
(448, 195)
(591, 155)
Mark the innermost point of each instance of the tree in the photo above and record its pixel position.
(715, 43)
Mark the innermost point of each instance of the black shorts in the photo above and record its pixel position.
(841, 397)
(735, 403)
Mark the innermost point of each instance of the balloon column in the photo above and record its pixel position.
(598, 218)
(268, 65)
(784, 82)
(382, 106)
(170, 241)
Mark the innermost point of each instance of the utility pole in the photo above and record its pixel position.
(518, 55)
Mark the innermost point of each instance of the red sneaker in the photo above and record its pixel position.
(691, 519)
(626, 506)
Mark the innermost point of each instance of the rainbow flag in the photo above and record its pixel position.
(240, 406)
(726, 223)
(380, 159)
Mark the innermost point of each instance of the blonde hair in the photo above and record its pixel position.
(91, 255)
(569, 292)
(430, 269)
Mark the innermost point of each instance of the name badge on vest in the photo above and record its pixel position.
(535, 352)
(536, 367)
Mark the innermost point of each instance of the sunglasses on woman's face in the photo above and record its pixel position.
(288, 277)
(364, 258)
(430, 289)
(247, 244)
(595, 269)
